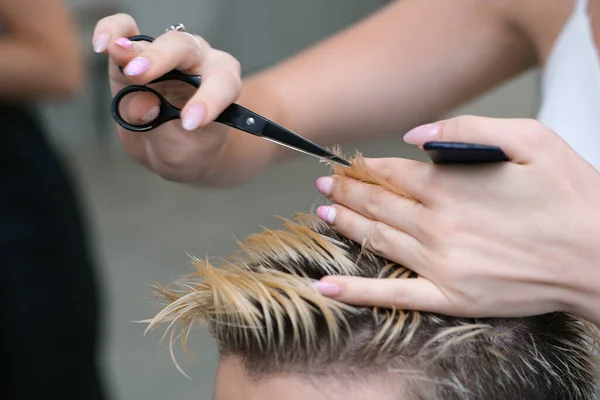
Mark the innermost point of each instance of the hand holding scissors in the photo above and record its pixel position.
(174, 58)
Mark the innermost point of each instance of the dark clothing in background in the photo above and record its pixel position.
(49, 310)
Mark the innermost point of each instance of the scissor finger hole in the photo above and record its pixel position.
(176, 93)
(139, 108)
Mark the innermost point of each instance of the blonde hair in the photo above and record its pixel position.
(260, 306)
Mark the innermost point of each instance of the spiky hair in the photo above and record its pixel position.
(261, 307)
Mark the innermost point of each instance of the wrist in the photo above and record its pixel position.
(242, 156)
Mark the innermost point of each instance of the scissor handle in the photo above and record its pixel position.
(463, 153)
(167, 111)
(141, 38)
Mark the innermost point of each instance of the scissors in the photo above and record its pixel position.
(234, 115)
(248, 121)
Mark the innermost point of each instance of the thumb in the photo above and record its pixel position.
(520, 139)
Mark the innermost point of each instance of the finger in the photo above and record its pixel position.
(221, 86)
(404, 294)
(520, 139)
(123, 50)
(172, 50)
(111, 28)
(378, 237)
(402, 175)
(139, 108)
(374, 202)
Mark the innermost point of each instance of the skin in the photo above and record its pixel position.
(291, 387)
(474, 258)
(487, 242)
(517, 263)
(40, 51)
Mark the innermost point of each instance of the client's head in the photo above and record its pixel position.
(280, 339)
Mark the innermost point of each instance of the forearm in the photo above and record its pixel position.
(244, 156)
(40, 50)
(29, 72)
(406, 64)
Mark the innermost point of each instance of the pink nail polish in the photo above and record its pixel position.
(324, 185)
(422, 134)
(327, 214)
(137, 66)
(100, 42)
(193, 117)
(151, 115)
(327, 289)
(125, 43)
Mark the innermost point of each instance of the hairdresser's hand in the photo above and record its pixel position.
(511, 239)
(181, 150)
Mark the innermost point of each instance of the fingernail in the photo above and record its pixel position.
(137, 66)
(327, 213)
(125, 43)
(327, 289)
(151, 115)
(193, 117)
(422, 134)
(324, 185)
(100, 42)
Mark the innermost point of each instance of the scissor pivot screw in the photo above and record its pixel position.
(250, 121)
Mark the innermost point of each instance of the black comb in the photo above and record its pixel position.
(463, 153)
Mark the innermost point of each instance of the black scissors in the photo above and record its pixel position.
(235, 116)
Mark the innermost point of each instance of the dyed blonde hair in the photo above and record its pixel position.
(260, 306)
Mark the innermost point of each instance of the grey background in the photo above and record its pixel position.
(143, 226)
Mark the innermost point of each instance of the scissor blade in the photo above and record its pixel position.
(291, 140)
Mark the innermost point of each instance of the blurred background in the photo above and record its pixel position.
(143, 227)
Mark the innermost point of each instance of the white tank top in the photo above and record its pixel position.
(570, 86)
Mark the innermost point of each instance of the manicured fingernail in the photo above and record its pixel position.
(125, 43)
(422, 134)
(324, 185)
(100, 42)
(193, 117)
(327, 289)
(327, 214)
(151, 115)
(137, 66)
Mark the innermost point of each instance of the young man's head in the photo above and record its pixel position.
(280, 339)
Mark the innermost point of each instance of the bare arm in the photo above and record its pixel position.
(405, 64)
(40, 51)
